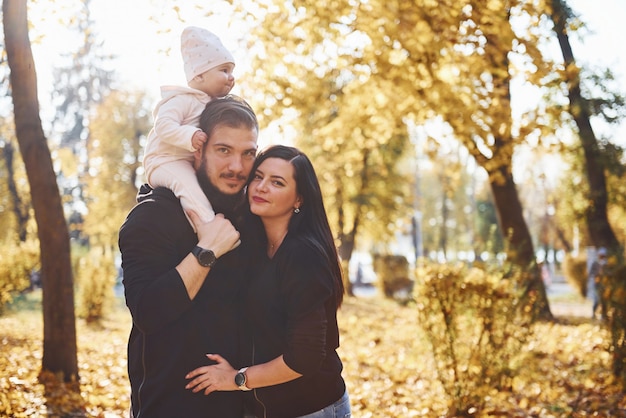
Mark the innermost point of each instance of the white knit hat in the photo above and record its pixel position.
(201, 51)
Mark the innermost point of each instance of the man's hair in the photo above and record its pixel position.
(231, 111)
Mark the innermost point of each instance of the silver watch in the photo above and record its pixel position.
(241, 379)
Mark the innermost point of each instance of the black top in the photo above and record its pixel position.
(291, 311)
(172, 334)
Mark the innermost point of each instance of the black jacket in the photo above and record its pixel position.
(171, 334)
(291, 311)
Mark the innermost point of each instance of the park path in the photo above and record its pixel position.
(566, 301)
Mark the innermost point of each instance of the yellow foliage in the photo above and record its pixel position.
(95, 275)
(388, 367)
(575, 272)
(68, 161)
(17, 263)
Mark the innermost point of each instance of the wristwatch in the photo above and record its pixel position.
(205, 257)
(241, 379)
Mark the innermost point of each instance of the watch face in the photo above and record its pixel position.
(206, 258)
(240, 379)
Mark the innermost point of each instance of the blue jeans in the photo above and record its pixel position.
(339, 409)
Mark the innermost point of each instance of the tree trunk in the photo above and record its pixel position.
(59, 341)
(346, 245)
(520, 250)
(600, 231)
(599, 228)
(20, 209)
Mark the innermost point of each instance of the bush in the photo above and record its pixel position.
(95, 275)
(476, 326)
(575, 272)
(17, 264)
(392, 273)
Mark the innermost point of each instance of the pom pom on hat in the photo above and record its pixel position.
(201, 51)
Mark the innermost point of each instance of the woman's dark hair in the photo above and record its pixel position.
(311, 223)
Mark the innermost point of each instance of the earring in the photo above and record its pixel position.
(296, 210)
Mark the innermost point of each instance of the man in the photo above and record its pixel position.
(182, 289)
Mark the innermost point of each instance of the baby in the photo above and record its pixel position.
(168, 160)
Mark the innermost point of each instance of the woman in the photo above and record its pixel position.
(295, 290)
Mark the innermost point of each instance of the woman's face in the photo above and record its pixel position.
(272, 193)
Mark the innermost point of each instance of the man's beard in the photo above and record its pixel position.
(221, 202)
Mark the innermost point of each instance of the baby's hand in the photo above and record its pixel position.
(198, 139)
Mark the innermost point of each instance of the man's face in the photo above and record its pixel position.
(228, 158)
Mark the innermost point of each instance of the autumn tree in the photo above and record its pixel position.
(15, 208)
(447, 198)
(80, 84)
(476, 83)
(14, 203)
(59, 334)
(119, 128)
(355, 142)
(599, 227)
(404, 60)
(595, 168)
(364, 185)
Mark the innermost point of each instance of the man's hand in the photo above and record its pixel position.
(217, 235)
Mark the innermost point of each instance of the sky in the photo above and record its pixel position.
(139, 32)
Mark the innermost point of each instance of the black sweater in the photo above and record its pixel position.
(291, 311)
(171, 334)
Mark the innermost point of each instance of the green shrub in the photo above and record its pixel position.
(575, 272)
(476, 326)
(17, 263)
(95, 275)
(392, 273)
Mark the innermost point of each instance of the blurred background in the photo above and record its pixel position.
(436, 128)
(471, 158)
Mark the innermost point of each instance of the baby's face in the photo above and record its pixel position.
(216, 82)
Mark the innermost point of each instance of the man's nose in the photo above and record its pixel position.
(236, 164)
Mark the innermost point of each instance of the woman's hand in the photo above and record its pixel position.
(217, 377)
